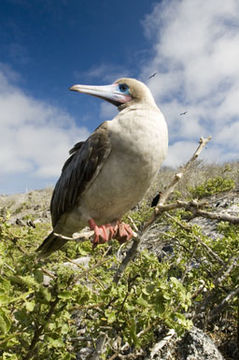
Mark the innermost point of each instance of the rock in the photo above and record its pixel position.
(194, 345)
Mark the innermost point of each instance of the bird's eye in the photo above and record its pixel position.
(124, 88)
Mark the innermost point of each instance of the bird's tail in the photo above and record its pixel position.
(50, 244)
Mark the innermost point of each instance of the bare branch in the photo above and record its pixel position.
(233, 262)
(194, 206)
(177, 177)
(82, 236)
(210, 251)
(100, 345)
(131, 253)
(217, 216)
(158, 346)
(224, 303)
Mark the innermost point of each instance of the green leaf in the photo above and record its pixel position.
(5, 322)
(38, 275)
(30, 305)
(133, 334)
(111, 316)
(44, 295)
(66, 294)
(8, 356)
(4, 299)
(141, 301)
(55, 342)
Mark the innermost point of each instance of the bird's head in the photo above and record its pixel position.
(122, 93)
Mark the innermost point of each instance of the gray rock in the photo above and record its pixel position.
(194, 345)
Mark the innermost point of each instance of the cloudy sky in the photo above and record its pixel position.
(48, 45)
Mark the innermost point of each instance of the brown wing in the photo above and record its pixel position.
(79, 170)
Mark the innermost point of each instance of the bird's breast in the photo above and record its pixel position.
(139, 145)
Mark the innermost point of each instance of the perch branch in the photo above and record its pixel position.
(83, 236)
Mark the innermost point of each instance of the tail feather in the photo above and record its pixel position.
(50, 244)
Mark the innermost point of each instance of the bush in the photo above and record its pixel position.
(50, 310)
(212, 186)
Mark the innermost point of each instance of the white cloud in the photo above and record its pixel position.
(107, 111)
(181, 147)
(35, 137)
(196, 52)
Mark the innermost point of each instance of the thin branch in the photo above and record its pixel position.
(217, 216)
(217, 282)
(158, 346)
(233, 263)
(131, 253)
(39, 329)
(100, 345)
(209, 250)
(177, 177)
(83, 236)
(223, 304)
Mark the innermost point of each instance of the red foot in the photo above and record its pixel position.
(102, 234)
(124, 232)
(120, 231)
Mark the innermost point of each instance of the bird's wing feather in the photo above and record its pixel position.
(79, 171)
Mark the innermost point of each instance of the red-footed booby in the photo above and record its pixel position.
(110, 172)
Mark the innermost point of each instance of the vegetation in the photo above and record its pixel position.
(53, 310)
(212, 186)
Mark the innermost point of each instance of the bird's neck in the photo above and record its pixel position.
(137, 104)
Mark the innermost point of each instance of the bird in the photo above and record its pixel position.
(156, 199)
(183, 113)
(109, 173)
(153, 75)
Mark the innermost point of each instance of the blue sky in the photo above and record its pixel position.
(47, 46)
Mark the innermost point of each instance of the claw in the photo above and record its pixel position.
(102, 233)
(120, 231)
(124, 233)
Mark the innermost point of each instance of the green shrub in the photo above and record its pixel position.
(40, 320)
(212, 186)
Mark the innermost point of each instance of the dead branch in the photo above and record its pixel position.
(223, 304)
(233, 262)
(188, 205)
(158, 346)
(131, 253)
(177, 177)
(217, 216)
(195, 207)
(100, 345)
(82, 236)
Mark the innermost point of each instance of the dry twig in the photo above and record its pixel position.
(217, 282)
(218, 309)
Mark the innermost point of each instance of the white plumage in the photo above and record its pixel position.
(113, 169)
